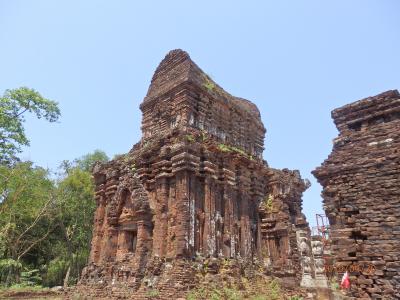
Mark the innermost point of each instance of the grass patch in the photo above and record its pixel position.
(266, 290)
(152, 294)
(23, 288)
(214, 293)
(296, 298)
(20, 291)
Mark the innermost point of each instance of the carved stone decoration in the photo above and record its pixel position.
(317, 248)
(319, 263)
(307, 268)
(194, 186)
(304, 248)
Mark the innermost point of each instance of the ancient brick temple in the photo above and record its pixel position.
(361, 181)
(196, 185)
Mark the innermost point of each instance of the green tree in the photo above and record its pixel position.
(76, 208)
(27, 202)
(46, 224)
(13, 106)
(87, 161)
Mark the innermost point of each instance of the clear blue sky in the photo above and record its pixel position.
(297, 60)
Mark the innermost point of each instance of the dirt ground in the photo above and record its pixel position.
(37, 295)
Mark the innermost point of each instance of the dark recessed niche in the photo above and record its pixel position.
(351, 213)
(131, 240)
(357, 236)
(355, 126)
(384, 118)
(381, 119)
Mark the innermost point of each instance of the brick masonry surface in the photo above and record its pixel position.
(194, 190)
(361, 191)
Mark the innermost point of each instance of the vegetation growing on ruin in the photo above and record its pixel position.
(334, 285)
(146, 146)
(228, 148)
(238, 150)
(296, 298)
(208, 84)
(203, 136)
(133, 168)
(152, 294)
(259, 289)
(190, 138)
(125, 158)
(224, 148)
(268, 203)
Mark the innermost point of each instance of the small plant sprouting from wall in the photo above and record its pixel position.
(334, 284)
(203, 136)
(227, 148)
(146, 146)
(208, 84)
(133, 168)
(152, 294)
(238, 150)
(190, 138)
(268, 203)
(224, 148)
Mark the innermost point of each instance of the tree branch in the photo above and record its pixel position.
(25, 110)
(40, 214)
(34, 243)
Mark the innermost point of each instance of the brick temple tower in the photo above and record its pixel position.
(361, 191)
(196, 185)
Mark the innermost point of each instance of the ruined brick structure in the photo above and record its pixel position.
(194, 186)
(361, 191)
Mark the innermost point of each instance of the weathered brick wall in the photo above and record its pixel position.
(361, 191)
(194, 186)
(181, 95)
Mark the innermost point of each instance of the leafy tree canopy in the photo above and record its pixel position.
(46, 223)
(87, 161)
(27, 202)
(13, 106)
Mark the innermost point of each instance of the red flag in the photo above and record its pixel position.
(345, 283)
